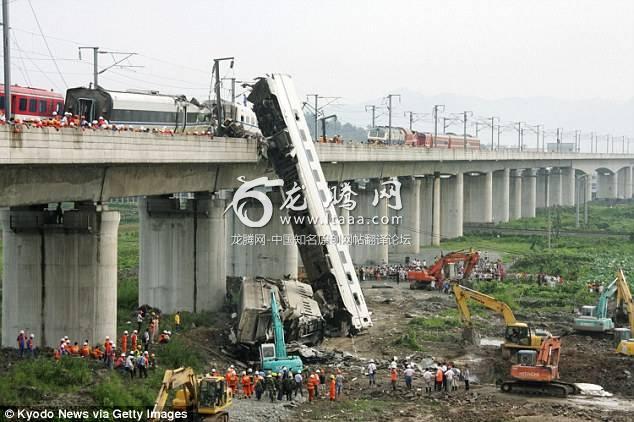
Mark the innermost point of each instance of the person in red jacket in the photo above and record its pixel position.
(124, 343)
(333, 388)
(133, 340)
(310, 386)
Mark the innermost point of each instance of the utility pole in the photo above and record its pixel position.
(577, 201)
(436, 107)
(623, 147)
(477, 129)
(519, 135)
(558, 141)
(389, 116)
(411, 119)
(607, 143)
(591, 142)
(546, 193)
(464, 128)
(216, 69)
(373, 109)
(8, 113)
(95, 62)
(499, 130)
(444, 125)
(586, 199)
(492, 130)
(537, 127)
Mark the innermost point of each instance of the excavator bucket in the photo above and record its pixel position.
(470, 336)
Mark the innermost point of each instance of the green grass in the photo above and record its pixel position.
(617, 218)
(117, 390)
(30, 381)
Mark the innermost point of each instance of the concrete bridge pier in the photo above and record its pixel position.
(501, 196)
(624, 180)
(478, 198)
(567, 186)
(555, 187)
(607, 185)
(410, 222)
(426, 209)
(451, 206)
(277, 257)
(182, 253)
(60, 274)
(529, 193)
(543, 178)
(515, 195)
(366, 247)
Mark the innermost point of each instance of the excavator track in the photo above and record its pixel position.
(554, 389)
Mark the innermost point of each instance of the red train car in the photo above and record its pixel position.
(425, 140)
(30, 103)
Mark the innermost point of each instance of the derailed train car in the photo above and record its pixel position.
(301, 316)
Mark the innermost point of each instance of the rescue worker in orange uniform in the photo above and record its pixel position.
(133, 339)
(233, 381)
(124, 343)
(107, 346)
(310, 386)
(246, 385)
(97, 353)
(85, 350)
(394, 378)
(333, 388)
(74, 349)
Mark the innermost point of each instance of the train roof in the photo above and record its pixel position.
(40, 92)
(132, 99)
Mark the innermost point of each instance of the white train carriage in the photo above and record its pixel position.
(136, 108)
(293, 155)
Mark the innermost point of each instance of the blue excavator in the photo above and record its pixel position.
(595, 318)
(273, 356)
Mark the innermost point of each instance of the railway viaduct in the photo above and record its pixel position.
(60, 268)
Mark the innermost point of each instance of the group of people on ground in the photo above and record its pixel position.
(443, 376)
(285, 384)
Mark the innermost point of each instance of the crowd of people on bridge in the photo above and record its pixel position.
(73, 121)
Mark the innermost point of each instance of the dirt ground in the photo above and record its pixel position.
(584, 359)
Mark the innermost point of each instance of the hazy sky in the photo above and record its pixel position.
(358, 50)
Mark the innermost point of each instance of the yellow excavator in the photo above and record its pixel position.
(624, 302)
(206, 397)
(517, 336)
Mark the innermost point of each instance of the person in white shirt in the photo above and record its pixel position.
(372, 372)
(449, 377)
(428, 376)
(466, 375)
(409, 374)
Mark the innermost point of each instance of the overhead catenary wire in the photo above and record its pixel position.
(47, 46)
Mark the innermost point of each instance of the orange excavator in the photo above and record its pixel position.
(537, 372)
(422, 279)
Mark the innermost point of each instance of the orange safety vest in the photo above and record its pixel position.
(74, 350)
(332, 390)
(85, 351)
(311, 382)
(393, 375)
(439, 375)
(246, 384)
(133, 340)
(108, 346)
(96, 353)
(124, 343)
(57, 355)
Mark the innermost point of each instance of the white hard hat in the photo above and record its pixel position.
(231, 366)
(135, 331)
(409, 366)
(32, 335)
(125, 332)
(107, 337)
(54, 113)
(21, 331)
(317, 371)
(122, 354)
(371, 360)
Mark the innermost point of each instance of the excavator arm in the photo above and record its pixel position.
(625, 298)
(463, 294)
(172, 380)
(470, 258)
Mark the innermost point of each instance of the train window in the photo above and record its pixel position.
(32, 106)
(2, 102)
(22, 104)
(42, 106)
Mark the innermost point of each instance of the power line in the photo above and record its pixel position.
(46, 43)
